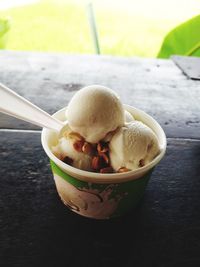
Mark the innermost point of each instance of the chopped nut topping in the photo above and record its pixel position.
(87, 148)
(78, 145)
(98, 163)
(68, 160)
(141, 163)
(107, 170)
(76, 136)
(105, 157)
(102, 147)
(123, 169)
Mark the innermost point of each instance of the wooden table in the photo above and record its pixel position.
(36, 229)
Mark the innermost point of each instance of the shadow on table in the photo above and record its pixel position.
(90, 242)
(137, 239)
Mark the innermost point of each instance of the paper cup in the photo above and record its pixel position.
(101, 196)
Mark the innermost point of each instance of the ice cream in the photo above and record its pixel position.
(128, 116)
(133, 146)
(101, 136)
(73, 150)
(94, 111)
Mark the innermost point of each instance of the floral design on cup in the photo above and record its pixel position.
(89, 202)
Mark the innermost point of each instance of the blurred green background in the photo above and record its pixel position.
(126, 28)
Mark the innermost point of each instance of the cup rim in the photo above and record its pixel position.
(107, 177)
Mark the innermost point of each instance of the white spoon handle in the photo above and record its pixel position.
(15, 105)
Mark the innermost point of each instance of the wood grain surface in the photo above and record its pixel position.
(38, 230)
(155, 86)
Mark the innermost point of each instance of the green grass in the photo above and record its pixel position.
(128, 30)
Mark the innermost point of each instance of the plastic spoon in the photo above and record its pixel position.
(17, 106)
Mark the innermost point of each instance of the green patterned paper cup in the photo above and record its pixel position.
(101, 196)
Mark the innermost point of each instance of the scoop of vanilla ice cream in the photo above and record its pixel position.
(94, 111)
(65, 148)
(133, 146)
(128, 116)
